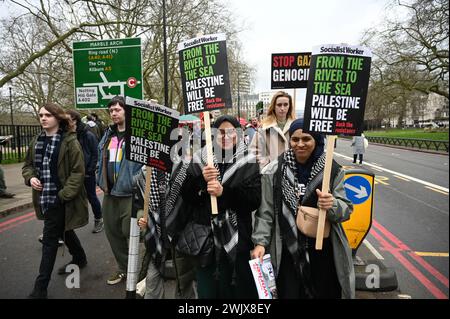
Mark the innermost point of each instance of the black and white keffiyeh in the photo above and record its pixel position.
(42, 161)
(290, 200)
(158, 184)
(224, 226)
(173, 195)
(291, 197)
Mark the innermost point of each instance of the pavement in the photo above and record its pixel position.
(15, 184)
(22, 200)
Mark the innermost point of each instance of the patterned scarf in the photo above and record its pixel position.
(224, 226)
(158, 184)
(43, 158)
(296, 243)
(173, 195)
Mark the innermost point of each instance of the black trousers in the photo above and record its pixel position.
(323, 276)
(360, 158)
(54, 224)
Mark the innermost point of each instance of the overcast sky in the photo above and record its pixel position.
(283, 26)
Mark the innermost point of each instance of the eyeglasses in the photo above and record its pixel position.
(230, 132)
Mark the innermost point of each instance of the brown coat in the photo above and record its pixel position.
(270, 141)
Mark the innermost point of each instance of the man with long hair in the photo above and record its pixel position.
(54, 168)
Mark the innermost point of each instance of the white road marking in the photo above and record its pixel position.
(436, 190)
(372, 249)
(399, 174)
(405, 179)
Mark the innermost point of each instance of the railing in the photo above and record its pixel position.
(16, 149)
(433, 145)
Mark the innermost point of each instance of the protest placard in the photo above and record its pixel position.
(204, 73)
(335, 101)
(147, 134)
(337, 89)
(290, 70)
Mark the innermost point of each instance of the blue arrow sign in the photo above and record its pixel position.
(358, 189)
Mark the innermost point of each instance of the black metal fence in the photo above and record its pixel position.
(431, 145)
(16, 149)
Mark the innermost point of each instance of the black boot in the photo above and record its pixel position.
(38, 294)
(81, 264)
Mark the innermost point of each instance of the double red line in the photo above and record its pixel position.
(14, 222)
(397, 248)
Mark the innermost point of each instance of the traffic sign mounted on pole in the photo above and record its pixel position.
(106, 68)
(358, 184)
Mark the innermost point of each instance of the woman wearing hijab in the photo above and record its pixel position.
(236, 182)
(295, 179)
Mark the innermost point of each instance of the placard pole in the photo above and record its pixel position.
(325, 188)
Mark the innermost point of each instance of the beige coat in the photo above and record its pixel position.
(270, 141)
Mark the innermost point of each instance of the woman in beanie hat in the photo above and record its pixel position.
(236, 182)
(295, 179)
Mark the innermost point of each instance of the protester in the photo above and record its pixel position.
(93, 127)
(251, 129)
(273, 138)
(100, 124)
(235, 181)
(89, 144)
(295, 179)
(54, 168)
(358, 148)
(155, 245)
(3, 192)
(115, 178)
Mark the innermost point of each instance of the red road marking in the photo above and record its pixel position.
(435, 291)
(410, 252)
(17, 224)
(16, 219)
(20, 220)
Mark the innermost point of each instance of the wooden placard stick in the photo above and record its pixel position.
(325, 188)
(148, 181)
(209, 153)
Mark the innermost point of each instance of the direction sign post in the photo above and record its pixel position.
(359, 188)
(105, 68)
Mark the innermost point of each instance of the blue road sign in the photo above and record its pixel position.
(358, 189)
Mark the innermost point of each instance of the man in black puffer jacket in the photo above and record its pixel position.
(89, 144)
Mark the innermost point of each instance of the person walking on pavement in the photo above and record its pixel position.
(89, 144)
(236, 182)
(3, 192)
(272, 138)
(358, 148)
(294, 179)
(54, 168)
(115, 178)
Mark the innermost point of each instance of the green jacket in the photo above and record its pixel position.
(70, 174)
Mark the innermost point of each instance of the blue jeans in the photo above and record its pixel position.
(90, 185)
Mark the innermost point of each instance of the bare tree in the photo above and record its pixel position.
(37, 53)
(414, 53)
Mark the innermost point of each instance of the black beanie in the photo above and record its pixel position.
(226, 118)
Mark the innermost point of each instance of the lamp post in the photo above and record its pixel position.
(239, 98)
(13, 144)
(166, 85)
